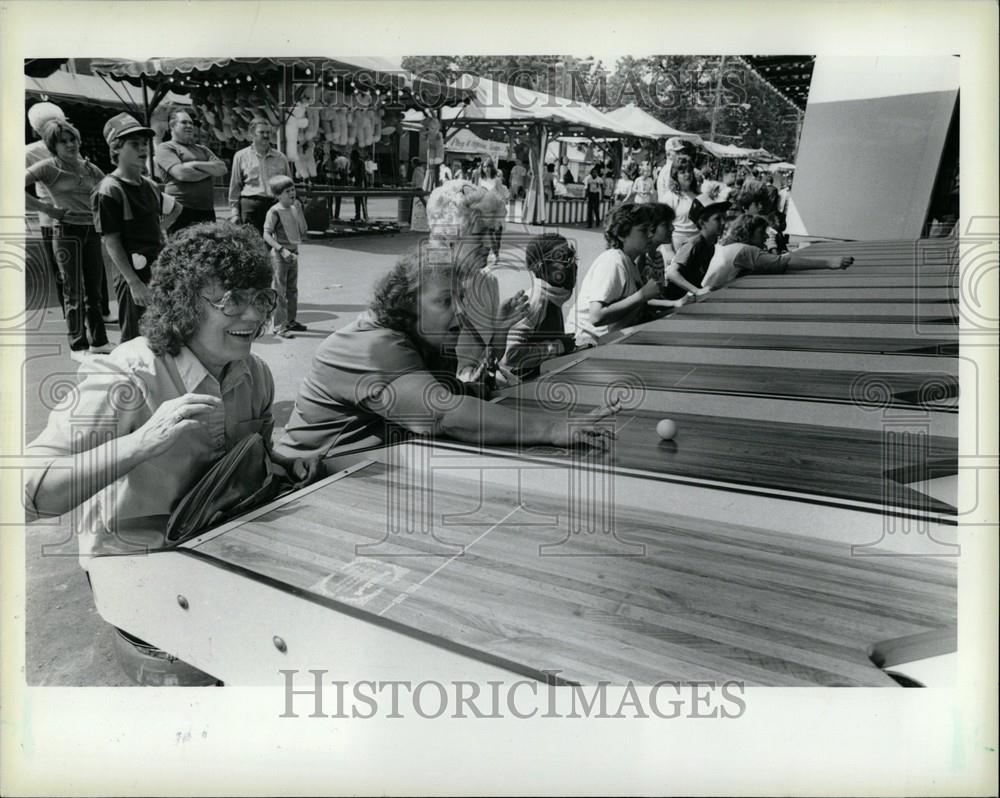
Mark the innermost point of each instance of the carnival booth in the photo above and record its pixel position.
(529, 119)
(322, 109)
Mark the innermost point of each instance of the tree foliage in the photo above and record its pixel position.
(685, 92)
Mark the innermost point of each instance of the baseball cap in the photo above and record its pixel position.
(704, 205)
(124, 125)
(676, 144)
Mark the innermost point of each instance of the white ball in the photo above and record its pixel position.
(666, 429)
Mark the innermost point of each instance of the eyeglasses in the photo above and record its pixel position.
(235, 302)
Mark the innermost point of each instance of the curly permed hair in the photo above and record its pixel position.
(234, 256)
(397, 294)
(754, 192)
(742, 228)
(621, 221)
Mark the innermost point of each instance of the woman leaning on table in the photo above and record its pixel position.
(393, 369)
(148, 421)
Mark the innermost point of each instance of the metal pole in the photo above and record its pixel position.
(718, 93)
(146, 117)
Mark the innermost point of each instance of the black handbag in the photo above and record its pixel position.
(242, 479)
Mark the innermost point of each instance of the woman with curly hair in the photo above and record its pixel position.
(391, 373)
(684, 187)
(741, 251)
(151, 418)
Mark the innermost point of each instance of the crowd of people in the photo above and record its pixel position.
(194, 293)
(183, 388)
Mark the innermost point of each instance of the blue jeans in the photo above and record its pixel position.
(286, 283)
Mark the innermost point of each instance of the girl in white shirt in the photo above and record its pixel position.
(613, 294)
(644, 189)
(684, 187)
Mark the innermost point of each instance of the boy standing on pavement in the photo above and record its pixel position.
(131, 214)
(284, 228)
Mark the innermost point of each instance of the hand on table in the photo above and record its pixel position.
(588, 430)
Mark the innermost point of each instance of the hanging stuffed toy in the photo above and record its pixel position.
(313, 128)
(158, 122)
(297, 122)
(326, 116)
(244, 106)
(306, 165)
(435, 144)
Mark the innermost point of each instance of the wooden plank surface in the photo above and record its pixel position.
(736, 292)
(846, 279)
(787, 327)
(928, 347)
(819, 384)
(806, 459)
(889, 311)
(697, 601)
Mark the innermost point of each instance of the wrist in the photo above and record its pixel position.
(129, 450)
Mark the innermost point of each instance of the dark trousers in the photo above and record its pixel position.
(52, 265)
(495, 234)
(360, 208)
(105, 294)
(253, 211)
(190, 216)
(78, 253)
(129, 313)
(593, 209)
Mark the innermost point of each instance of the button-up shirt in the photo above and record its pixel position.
(251, 173)
(118, 394)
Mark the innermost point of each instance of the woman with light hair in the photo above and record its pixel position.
(38, 115)
(70, 181)
(462, 219)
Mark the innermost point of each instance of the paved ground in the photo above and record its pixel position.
(68, 644)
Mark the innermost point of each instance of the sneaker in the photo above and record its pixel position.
(103, 349)
(80, 355)
(284, 332)
(297, 327)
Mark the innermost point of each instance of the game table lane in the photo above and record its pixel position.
(928, 347)
(809, 460)
(886, 311)
(857, 387)
(915, 331)
(849, 278)
(736, 292)
(696, 600)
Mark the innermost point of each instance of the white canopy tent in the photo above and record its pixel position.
(646, 125)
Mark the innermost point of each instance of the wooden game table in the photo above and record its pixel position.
(803, 515)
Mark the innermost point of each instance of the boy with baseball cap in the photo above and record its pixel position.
(131, 214)
(688, 268)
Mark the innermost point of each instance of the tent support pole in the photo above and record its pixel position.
(718, 94)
